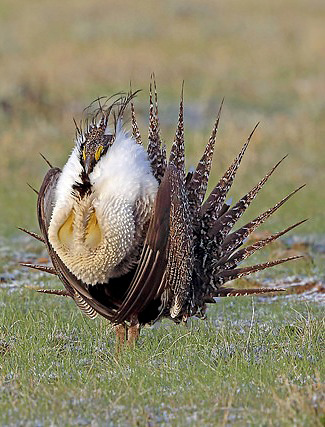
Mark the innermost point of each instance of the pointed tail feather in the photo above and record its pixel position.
(197, 186)
(156, 152)
(31, 233)
(44, 268)
(135, 128)
(84, 306)
(226, 275)
(60, 292)
(231, 262)
(177, 154)
(232, 292)
(225, 223)
(235, 239)
(153, 134)
(211, 207)
(45, 159)
(32, 188)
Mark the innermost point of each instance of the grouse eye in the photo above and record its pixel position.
(98, 152)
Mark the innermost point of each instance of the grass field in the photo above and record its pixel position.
(255, 362)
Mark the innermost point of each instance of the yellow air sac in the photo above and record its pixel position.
(65, 233)
(93, 234)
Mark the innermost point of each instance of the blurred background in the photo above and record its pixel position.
(266, 58)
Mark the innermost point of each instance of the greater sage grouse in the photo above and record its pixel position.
(129, 232)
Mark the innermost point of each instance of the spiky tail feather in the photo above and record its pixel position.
(231, 274)
(44, 268)
(31, 233)
(233, 292)
(59, 292)
(211, 207)
(229, 262)
(236, 239)
(156, 150)
(216, 250)
(197, 182)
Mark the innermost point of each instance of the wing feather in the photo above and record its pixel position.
(74, 286)
(153, 261)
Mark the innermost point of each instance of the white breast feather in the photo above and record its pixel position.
(120, 178)
(124, 172)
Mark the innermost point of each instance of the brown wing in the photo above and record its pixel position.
(76, 288)
(149, 278)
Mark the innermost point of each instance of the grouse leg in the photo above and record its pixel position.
(121, 332)
(133, 331)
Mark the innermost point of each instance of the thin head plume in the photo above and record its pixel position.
(97, 100)
(91, 113)
(122, 104)
(132, 94)
(45, 159)
(32, 188)
(113, 107)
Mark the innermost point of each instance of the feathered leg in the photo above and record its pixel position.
(121, 332)
(133, 331)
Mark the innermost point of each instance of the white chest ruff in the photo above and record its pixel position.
(92, 243)
(93, 234)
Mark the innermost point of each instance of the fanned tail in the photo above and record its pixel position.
(215, 252)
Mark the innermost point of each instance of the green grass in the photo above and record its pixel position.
(244, 366)
(267, 60)
(254, 361)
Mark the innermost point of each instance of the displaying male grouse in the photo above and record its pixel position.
(129, 232)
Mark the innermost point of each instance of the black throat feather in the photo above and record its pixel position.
(82, 188)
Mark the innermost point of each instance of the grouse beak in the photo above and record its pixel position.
(89, 164)
(91, 157)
